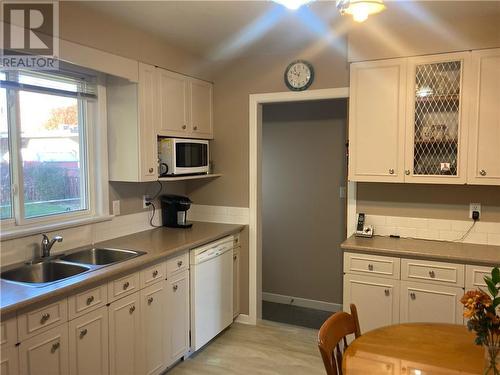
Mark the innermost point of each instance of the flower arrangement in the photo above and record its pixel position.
(481, 310)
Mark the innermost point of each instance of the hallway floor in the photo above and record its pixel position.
(294, 315)
(268, 349)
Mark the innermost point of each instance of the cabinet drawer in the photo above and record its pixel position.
(41, 320)
(177, 264)
(433, 272)
(88, 300)
(474, 276)
(123, 286)
(153, 274)
(372, 265)
(8, 332)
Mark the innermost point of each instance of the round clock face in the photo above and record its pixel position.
(299, 75)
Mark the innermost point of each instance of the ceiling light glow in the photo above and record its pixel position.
(360, 9)
(293, 4)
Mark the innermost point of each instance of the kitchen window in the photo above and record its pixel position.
(49, 170)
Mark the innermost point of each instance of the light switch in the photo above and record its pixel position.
(116, 208)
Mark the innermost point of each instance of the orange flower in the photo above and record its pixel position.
(473, 301)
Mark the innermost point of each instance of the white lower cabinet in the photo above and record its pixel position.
(9, 363)
(421, 302)
(177, 319)
(376, 299)
(153, 323)
(88, 343)
(125, 347)
(46, 353)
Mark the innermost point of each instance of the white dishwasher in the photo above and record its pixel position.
(211, 290)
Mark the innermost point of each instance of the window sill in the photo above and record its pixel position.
(18, 232)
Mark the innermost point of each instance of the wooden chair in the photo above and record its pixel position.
(332, 341)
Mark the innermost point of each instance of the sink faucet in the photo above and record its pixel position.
(47, 244)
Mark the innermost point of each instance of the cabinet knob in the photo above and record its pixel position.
(370, 267)
(175, 287)
(132, 309)
(151, 170)
(413, 296)
(391, 171)
(90, 300)
(387, 292)
(432, 274)
(179, 263)
(234, 257)
(83, 332)
(482, 172)
(184, 126)
(195, 128)
(55, 346)
(150, 300)
(44, 318)
(126, 285)
(407, 172)
(155, 273)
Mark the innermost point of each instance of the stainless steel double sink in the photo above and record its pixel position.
(45, 272)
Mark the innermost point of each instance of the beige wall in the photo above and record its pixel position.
(428, 201)
(303, 216)
(411, 28)
(233, 85)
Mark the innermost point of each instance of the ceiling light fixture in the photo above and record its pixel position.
(360, 9)
(293, 4)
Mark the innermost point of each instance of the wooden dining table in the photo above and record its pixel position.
(414, 349)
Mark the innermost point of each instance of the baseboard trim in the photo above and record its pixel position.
(243, 319)
(303, 302)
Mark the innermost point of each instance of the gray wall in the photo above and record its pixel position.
(303, 216)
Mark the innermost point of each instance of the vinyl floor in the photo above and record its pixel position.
(265, 349)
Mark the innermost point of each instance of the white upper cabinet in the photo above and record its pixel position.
(173, 103)
(201, 109)
(377, 120)
(437, 122)
(185, 106)
(427, 119)
(484, 133)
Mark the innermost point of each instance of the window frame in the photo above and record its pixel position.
(93, 159)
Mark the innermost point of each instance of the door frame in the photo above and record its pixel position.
(255, 184)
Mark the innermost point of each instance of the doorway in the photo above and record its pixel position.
(304, 168)
(256, 102)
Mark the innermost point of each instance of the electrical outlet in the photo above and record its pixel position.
(474, 207)
(145, 199)
(116, 208)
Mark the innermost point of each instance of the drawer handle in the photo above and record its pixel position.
(195, 127)
(90, 300)
(482, 172)
(387, 292)
(184, 126)
(175, 287)
(391, 171)
(432, 274)
(370, 267)
(55, 346)
(155, 273)
(83, 332)
(132, 309)
(44, 318)
(413, 296)
(150, 300)
(179, 263)
(126, 285)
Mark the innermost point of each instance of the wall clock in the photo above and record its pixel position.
(299, 75)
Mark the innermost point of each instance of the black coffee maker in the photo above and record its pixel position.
(174, 211)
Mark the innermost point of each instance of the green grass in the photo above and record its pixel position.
(41, 209)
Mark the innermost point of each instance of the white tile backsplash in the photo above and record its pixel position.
(435, 229)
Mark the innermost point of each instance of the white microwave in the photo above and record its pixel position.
(179, 156)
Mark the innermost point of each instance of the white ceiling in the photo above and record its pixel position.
(221, 29)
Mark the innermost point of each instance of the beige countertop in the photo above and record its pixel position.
(159, 244)
(457, 252)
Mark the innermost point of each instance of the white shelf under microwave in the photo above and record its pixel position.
(194, 177)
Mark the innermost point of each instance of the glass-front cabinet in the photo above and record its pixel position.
(436, 130)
